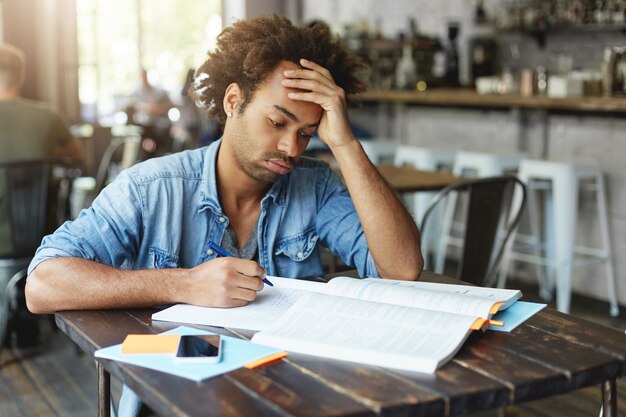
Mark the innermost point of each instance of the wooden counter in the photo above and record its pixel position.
(469, 98)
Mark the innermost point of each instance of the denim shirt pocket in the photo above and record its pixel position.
(297, 248)
(160, 259)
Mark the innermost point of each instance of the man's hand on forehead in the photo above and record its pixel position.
(319, 87)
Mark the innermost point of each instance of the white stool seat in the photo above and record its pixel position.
(561, 222)
(485, 164)
(379, 151)
(427, 159)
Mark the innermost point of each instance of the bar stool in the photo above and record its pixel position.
(561, 215)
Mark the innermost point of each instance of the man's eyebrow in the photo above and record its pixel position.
(292, 116)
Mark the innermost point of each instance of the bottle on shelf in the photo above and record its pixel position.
(452, 56)
(541, 76)
(406, 70)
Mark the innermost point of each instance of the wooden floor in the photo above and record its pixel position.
(54, 379)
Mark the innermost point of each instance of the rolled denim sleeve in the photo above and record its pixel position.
(108, 232)
(339, 227)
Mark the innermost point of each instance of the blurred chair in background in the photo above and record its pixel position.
(473, 165)
(123, 151)
(489, 223)
(24, 204)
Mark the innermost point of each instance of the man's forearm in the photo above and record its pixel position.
(78, 284)
(391, 233)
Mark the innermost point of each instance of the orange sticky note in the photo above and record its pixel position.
(267, 359)
(151, 343)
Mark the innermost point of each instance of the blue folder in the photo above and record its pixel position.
(235, 354)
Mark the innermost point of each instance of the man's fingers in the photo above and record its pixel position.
(244, 294)
(250, 269)
(310, 85)
(318, 68)
(248, 282)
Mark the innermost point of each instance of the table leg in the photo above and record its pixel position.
(609, 398)
(104, 392)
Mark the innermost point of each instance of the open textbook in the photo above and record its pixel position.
(407, 325)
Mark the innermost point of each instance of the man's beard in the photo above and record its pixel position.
(243, 144)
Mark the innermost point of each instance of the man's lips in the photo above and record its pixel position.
(279, 166)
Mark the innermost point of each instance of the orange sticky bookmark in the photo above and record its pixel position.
(267, 359)
(496, 307)
(479, 323)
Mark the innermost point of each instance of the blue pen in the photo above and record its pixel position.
(224, 253)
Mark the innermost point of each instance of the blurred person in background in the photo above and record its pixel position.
(29, 129)
(149, 107)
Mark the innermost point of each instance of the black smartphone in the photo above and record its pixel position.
(199, 348)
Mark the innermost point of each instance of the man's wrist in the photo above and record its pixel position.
(346, 151)
(178, 281)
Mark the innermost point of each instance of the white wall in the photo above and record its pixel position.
(233, 10)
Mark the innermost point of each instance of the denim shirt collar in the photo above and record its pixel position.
(209, 197)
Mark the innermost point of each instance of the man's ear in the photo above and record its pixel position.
(232, 98)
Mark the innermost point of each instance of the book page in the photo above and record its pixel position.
(271, 303)
(372, 333)
(505, 295)
(426, 297)
(297, 284)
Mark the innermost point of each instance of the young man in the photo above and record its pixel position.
(145, 240)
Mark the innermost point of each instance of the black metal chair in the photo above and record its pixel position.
(24, 208)
(489, 221)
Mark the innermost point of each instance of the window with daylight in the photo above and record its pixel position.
(118, 37)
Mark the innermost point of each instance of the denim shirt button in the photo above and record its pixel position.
(222, 219)
(300, 255)
(209, 252)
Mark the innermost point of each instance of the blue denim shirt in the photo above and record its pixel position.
(161, 214)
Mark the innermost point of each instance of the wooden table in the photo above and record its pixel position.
(405, 179)
(550, 354)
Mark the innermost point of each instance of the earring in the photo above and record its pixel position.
(229, 114)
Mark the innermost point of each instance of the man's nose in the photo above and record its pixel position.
(288, 144)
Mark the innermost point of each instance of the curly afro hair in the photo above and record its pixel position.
(249, 50)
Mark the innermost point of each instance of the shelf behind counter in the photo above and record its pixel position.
(470, 98)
